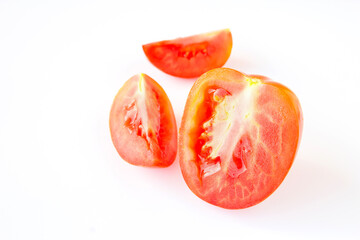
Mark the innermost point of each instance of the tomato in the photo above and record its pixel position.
(238, 137)
(142, 123)
(191, 56)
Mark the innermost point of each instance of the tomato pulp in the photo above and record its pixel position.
(238, 137)
(190, 56)
(142, 123)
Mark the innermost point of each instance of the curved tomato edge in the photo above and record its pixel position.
(293, 97)
(170, 112)
(217, 73)
(146, 47)
(173, 154)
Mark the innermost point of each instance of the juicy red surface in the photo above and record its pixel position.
(148, 141)
(262, 151)
(190, 56)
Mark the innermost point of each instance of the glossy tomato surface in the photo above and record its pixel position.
(238, 137)
(142, 123)
(191, 56)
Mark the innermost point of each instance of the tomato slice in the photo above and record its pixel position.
(191, 56)
(142, 123)
(238, 137)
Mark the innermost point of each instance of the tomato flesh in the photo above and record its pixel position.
(190, 56)
(238, 138)
(142, 123)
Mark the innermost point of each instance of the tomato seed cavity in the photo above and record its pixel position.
(134, 123)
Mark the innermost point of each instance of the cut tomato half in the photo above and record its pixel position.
(238, 138)
(142, 123)
(191, 56)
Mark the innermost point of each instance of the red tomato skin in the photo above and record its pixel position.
(240, 192)
(133, 148)
(192, 56)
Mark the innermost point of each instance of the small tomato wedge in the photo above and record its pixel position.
(191, 56)
(142, 123)
(238, 137)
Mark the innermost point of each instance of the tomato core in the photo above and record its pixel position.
(215, 118)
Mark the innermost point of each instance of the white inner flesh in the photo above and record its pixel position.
(141, 103)
(230, 118)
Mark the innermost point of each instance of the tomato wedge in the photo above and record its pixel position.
(238, 137)
(142, 123)
(191, 56)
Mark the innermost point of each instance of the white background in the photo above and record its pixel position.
(61, 64)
